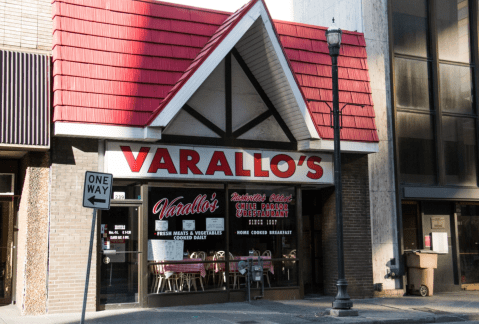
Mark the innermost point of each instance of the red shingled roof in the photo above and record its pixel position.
(119, 62)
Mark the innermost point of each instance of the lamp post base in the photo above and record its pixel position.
(343, 312)
(342, 299)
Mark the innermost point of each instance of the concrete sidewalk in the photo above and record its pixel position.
(442, 308)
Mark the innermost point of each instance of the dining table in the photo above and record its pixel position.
(220, 266)
(181, 269)
(177, 267)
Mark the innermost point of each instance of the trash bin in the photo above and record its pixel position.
(421, 265)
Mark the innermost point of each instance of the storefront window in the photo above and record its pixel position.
(186, 227)
(263, 219)
(188, 230)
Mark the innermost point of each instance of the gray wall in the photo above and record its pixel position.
(370, 17)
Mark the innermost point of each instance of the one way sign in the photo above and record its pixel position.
(97, 190)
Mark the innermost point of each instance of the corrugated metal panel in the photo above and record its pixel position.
(25, 99)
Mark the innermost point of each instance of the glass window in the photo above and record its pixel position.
(126, 190)
(417, 163)
(455, 87)
(6, 183)
(186, 226)
(412, 86)
(459, 150)
(263, 219)
(410, 26)
(188, 215)
(453, 30)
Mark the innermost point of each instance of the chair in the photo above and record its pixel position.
(266, 253)
(289, 264)
(256, 253)
(219, 255)
(157, 277)
(191, 277)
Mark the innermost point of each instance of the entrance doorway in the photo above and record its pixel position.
(468, 236)
(119, 255)
(6, 249)
(312, 243)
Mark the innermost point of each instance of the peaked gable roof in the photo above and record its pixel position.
(125, 63)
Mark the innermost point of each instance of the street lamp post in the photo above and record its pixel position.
(342, 300)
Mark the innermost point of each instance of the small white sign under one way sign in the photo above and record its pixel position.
(97, 190)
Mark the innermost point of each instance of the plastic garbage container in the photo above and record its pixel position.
(421, 265)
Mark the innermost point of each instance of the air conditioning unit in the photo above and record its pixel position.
(7, 183)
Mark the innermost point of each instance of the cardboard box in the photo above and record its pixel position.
(421, 260)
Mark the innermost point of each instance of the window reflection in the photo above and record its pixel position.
(455, 87)
(459, 150)
(410, 25)
(453, 30)
(412, 86)
(416, 148)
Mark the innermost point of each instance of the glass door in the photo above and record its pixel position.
(468, 234)
(119, 255)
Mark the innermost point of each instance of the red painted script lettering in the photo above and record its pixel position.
(200, 205)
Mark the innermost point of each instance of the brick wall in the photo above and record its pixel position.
(70, 226)
(356, 230)
(26, 24)
(32, 246)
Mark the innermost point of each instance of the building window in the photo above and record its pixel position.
(453, 30)
(412, 85)
(410, 26)
(417, 163)
(433, 90)
(459, 150)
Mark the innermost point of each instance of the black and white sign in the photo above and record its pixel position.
(188, 225)
(97, 190)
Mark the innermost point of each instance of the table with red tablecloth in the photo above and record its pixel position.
(177, 267)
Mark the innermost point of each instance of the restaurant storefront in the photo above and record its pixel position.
(173, 238)
(218, 138)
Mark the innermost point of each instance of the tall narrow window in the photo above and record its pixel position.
(410, 26)
(416, 148)
(412, 86)
(453, 30)
(460, 150)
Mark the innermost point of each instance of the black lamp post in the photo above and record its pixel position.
(342, 300)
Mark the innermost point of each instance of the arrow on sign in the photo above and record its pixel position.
(92, 200)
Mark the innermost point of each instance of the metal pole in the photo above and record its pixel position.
(93, 221)
(342, 300)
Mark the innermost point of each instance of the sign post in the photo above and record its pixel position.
(96, 195)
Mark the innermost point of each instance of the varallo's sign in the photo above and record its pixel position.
(132, 160)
